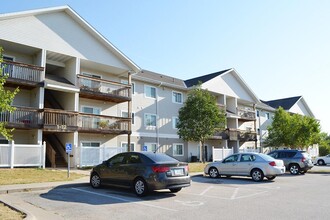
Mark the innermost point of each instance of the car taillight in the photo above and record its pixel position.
(273, 164)
(160, 169)
(187, 169)
(303, 159)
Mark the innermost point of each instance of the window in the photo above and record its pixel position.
(267, 116)
(7, 69)
(133, 158)
(90, 121)
(232, 158)
(175, 121)
(90, 144)
(125, 115)
(177, 149)
(150, 91)
(247, 158)
(150, 120)
(124, 145)
(177, 97)
(149, 147)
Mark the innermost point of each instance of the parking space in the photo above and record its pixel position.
(230, 198)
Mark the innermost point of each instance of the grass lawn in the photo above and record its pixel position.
(34, 175)
(197, 167)
(8, 213)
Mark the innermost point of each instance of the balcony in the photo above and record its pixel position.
(247, 135)
(105, 90)
(89, 123)
(246, 114)
(60, 120)
(25, 75)
(22, 117)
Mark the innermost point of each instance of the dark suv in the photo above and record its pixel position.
(296, 161)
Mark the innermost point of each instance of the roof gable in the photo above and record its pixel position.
(203, 79)
(295, 105)
(62, 30)
(227, 82)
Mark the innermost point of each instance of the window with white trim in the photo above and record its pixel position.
(124, 145)
(150, 120)
(149, 147)
(90, 144)
(177, 97)
(178, 150)
(150, 91)
(175, 121)
(267, 115)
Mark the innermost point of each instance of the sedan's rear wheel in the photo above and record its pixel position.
(175, 190)
(257, 175)
(321, 162)
(294, 169)
(270, 177)
(95, 180)
(140, 187)
(213, 172)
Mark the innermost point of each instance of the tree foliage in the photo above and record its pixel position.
(292, 130)
(6, 98)
(200, 117)
(324, 144)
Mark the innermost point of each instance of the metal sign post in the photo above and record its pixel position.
(68, 149)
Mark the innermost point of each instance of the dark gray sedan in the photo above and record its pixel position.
(141, 171)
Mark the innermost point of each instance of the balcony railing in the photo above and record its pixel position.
(246, 114)
(244, 136)
(103, 89)
(22, 117)
(60, 120)
(103, 124)
(21, 71)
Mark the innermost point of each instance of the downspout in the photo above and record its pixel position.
(157, 121)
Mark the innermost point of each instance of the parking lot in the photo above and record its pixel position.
(288, 197)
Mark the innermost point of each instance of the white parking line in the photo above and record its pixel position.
(137, 202)
(234, 193)
(205, 191)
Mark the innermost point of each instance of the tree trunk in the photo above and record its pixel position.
(203, 151)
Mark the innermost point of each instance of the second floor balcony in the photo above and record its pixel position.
(60, 120)
(101, 89)
(22, 117)
(236, 135)
(22, 74)
(90, 123)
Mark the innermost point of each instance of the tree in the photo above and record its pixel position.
(200, 118)
(292, 130)
(324, 144)
(6, 98)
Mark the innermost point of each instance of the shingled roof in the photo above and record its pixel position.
(203, 79)
(285, 103)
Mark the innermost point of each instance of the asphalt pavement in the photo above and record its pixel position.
(33, 212)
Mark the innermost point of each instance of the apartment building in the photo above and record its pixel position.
(77, 88)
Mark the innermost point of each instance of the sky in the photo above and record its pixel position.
(280, 48)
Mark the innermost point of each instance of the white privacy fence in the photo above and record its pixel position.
(22, 155)
(220, 153)
(91, 156)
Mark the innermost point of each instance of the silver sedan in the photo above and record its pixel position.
(255, 165)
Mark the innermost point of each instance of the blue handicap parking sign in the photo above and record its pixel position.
(68, 147)
(145, 148)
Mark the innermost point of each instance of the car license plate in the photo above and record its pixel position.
(178, 172)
